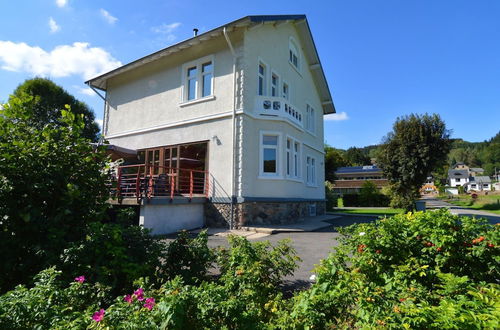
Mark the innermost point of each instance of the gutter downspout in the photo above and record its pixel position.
(233, 171)
(101, 139)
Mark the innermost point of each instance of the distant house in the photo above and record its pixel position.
(460, 166)
(478, 183)
(476, 171)
(351, 179)
(458, 177)
(469, 178)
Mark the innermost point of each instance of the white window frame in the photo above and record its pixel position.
(278, 147)
(293, 49)
(310, 119)
(264, 78)
(275, 87)
(293, 159)
(286, 96)
(311, 171)
(198, 63)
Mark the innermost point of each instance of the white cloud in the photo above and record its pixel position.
(53, 26)
(99, 122)
(84, 90)
(167, 30)
(61, 3)
(108, 17)
(63, 61)
(336, 116)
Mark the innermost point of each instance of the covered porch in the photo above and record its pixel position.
(169, 173)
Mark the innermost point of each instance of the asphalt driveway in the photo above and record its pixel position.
(311, 247)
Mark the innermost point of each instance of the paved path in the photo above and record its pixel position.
(433, 203)
(310, 246)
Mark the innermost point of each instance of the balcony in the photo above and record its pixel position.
(278, 107)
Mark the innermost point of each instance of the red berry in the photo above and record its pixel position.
(480, 239)
(378, 251)
(491, 245)
(429, 244)
(439, 249)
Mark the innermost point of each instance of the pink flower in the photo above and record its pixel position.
(128, 298)
(139, 294)
(80, 279)
(150, 303)
(98, 316)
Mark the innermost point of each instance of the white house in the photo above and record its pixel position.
(225, 127)
(458, 177)
(479, 183)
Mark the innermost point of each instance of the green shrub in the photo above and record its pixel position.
(52, 184)
(189, 258)
(331, 197)
(416, 270)
(114, 255)
(51, 303)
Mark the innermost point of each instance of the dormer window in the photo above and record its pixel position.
(198, 79)
(293, 54)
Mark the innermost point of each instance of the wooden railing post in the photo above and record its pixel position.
(191, 184)
(172, 183)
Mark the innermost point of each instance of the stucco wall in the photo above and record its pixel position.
(167, 219)
(270, 44)
(151, 95)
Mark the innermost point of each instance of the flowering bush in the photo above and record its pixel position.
(51, 303)
(419, 270)
(415, 270)
(114, 255)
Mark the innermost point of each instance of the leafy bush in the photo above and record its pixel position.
(50, 303)
(188, 257)
(114, 255)
(331, 197)
(51, 185)
(418, 270)
(245, 296)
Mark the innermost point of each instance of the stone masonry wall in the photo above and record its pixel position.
(259, 213)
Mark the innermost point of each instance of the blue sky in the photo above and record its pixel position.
(382, 58)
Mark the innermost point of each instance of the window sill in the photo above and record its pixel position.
(295, 68)
(295, 179)
(311, 185)
(200, 100)
(269, 177)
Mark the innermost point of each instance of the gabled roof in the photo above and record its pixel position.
(476, 169)
(304, 32)
(458, 174)
(481, 179)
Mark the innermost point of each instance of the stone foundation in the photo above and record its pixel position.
(260, 213)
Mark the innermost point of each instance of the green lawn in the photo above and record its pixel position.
(381, 212)
(488, 203)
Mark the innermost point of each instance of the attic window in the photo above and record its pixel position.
(293, 54)
(198, 79)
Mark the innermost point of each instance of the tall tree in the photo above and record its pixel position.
(334, 159)
(417, 145)
(51, 185)
(357, 157)
(46, 102)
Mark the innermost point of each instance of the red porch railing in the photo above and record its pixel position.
(146, 181)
